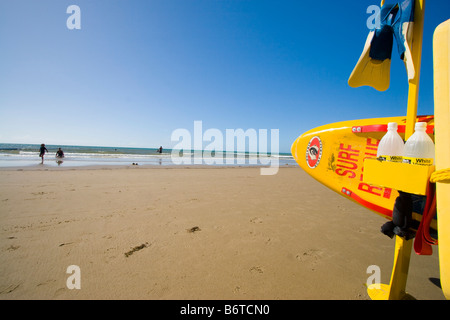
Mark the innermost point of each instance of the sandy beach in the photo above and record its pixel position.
(190, 233)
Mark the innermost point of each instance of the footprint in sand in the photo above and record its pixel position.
(310, 255)
(256, 269)
(256, 220)
(13, 248)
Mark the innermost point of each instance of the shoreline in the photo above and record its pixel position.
(207, 234)
(44, 167)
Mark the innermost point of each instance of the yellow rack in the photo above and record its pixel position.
(398, 175)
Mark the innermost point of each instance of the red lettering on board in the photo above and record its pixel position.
(341, 147)
(370, 152)
(387, 193)
(370, 189)
(348, 156)
(347, 165)
(350, 173)
(347, 159)
(352, 165)
(372, 145)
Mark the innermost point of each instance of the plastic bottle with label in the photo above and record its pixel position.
(391, 146)
(419, 149)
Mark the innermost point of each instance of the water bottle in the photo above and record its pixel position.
(419, 149)
(391, 146)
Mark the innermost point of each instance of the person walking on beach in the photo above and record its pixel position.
(160, 149)
(59, 153)
(42, 151)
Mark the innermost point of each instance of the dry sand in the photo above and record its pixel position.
(190, 233)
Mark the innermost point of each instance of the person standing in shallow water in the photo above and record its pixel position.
(42, 152)
(60, 153)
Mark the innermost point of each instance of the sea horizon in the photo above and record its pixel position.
(20, 154)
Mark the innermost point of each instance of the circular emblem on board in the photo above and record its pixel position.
(314, 152)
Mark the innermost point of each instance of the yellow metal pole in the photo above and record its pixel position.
(396, 290)
(413, 95)
(403, 247)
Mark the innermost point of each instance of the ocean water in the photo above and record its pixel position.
(27, 155)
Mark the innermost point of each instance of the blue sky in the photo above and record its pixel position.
(138, 70)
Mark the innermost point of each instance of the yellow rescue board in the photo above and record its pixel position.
(334, 155)
(441, 50)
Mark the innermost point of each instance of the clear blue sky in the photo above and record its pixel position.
(138, 70)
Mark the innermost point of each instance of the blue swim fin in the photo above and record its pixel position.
(403, 32)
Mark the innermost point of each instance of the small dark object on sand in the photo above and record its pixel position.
(194, 229)
(137, 248)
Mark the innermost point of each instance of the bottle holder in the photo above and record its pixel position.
(399, 176)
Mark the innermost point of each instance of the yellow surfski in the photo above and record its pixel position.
(334, 155)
